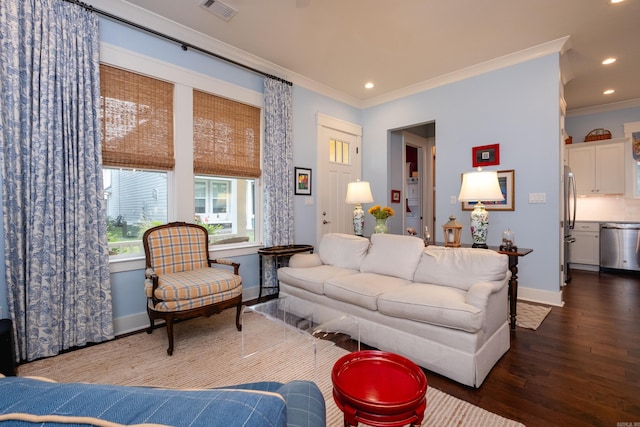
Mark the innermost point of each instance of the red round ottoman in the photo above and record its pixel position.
(380, 389)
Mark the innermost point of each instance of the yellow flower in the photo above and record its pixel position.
(381, 213)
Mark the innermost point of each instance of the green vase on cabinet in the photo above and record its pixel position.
(381, 226)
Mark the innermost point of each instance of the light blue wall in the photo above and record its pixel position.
(516, 107)
(579, 126)
(146, 44)
(128, 297)
(306, 107)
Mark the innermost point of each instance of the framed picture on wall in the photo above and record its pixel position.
(303, 181)
(395, 196)
(486, 155)
(506, 180)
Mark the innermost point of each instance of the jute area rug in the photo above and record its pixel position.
(530, 316)
(208, 353)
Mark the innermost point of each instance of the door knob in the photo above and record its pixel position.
(324, 221)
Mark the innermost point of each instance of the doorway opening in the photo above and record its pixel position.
(412, 169)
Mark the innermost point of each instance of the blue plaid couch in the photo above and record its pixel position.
(25, 401)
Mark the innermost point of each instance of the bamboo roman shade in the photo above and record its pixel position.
(226, 137)
(137, 120)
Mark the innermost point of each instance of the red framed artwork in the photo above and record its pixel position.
(486, 155)
(395, 196)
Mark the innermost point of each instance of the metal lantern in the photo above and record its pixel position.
(452, 231)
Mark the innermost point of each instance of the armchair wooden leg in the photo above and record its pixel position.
(169, 321)
(151, 322)
(238, 310)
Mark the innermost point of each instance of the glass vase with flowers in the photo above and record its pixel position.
(381, 215)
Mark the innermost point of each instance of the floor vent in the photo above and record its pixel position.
(219, 9)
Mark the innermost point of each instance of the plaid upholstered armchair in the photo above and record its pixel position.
(180, 281)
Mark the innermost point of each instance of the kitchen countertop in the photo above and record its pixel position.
(600, 221)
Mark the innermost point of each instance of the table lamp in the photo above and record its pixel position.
(480, 186)
(358, 192)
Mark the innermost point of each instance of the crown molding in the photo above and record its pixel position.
(178, 31)
(630, 103)
(555, 46)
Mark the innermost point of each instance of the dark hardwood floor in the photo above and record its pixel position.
(580, 368)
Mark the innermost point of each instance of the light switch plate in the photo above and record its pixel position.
(537, 197)
(453, 200)
(308, 201)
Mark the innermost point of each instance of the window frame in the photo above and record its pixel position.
(180, 194)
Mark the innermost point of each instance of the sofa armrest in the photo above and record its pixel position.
(479, 293)
(305, 260)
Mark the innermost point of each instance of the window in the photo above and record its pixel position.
(226, 206)
(137, 126)
(226, 163)
(226, 136)
(339, 152)
(153, 101)
(135, 201)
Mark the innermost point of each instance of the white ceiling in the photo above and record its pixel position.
(402, 43)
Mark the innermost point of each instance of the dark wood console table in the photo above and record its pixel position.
(279, 254)
(513, 255)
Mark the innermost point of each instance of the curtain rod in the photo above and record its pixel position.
(184, 45)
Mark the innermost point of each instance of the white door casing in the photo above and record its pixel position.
(339, 162)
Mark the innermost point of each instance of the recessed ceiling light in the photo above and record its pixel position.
(616, 1)
(608, 61)
(608, 92)
(369, 85)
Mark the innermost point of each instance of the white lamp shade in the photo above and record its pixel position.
(359, 192)
(480, 186)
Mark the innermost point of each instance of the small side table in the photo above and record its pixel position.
(279, 253)
(379, 389)
(513, 255)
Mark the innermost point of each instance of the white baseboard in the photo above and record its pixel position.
(133, 323)
(586, 267)
(542, 297)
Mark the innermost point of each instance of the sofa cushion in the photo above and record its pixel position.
(343, 250)
(362, 289)
(393, 255)
(437, 305)
(193, 284)
(311, 279)
(460, 267)
(305, 260)
(135, 405)
(305, 403)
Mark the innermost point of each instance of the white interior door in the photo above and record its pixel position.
(339, 163)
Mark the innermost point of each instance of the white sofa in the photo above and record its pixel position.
(444, 308)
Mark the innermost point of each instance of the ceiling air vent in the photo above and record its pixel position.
(219, 9)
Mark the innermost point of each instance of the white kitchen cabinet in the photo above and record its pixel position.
(586, 248)
(598, 167)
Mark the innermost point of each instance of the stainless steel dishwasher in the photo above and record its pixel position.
(620, 246)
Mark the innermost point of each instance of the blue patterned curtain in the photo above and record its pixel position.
(277, 169)
(57, 264)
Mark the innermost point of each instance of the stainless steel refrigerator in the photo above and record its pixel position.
(569, 219)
